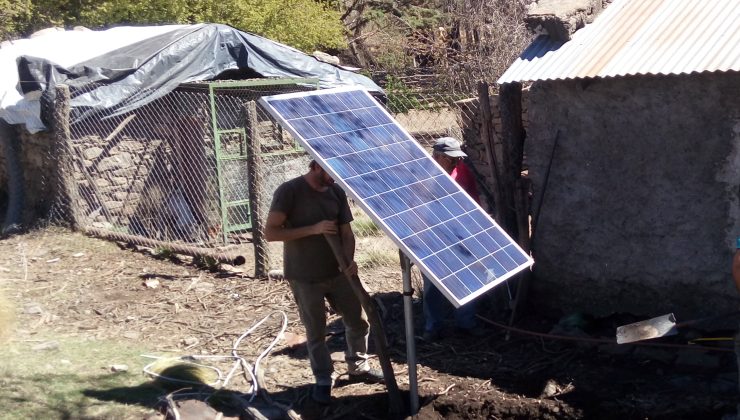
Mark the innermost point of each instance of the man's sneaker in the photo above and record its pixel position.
(321, 394)
(370, 376)
(431, 336)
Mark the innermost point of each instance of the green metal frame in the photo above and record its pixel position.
(225, 205)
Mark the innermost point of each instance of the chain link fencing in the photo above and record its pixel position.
(194, 171)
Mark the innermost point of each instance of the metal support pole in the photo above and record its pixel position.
(408, 312)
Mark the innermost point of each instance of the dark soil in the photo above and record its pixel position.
(97, 289)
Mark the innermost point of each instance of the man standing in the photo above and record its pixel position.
(448, 154)
(303, 210)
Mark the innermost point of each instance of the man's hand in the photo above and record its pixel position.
(351, 269)
(325, 227)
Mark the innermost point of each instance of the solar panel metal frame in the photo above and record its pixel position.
(265, 103)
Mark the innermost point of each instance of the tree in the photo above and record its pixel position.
(14, 16)
(303, 24)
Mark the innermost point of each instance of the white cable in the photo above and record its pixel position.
(238, 360)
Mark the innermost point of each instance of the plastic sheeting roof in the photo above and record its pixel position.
(128, 60)
(633, 37)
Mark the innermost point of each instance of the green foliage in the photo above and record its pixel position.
(14, 17)
(303, 24)
(400, 97)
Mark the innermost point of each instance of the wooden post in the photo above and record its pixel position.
(512, 143)
(487, 136)
(376, 328)
(65, 155)
(521, 203)
(254, 173)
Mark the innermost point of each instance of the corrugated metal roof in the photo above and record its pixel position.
(634, 37)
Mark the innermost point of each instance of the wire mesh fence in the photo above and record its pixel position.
(194, 170)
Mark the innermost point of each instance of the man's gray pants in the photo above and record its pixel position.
(309, 297)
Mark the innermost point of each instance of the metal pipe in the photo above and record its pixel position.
(225, 257)
(11, 148)
(408, 314)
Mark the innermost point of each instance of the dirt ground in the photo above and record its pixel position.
(64, 284)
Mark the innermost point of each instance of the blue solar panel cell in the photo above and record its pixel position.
(394, 201)
(483, 273)
(455, 286)
(412, 148)
(437, 266)
(464, 254)
(426, 215)
(407, 194)
(516, 256)
(412, 221)
(363, 99)
(471, 280)
(417, 246)
(333, 103)
(394, 134)
(499, 236)
(380, 207)
(303, 127)
(451, 260)
(438, 208)
(496, 268)
(398, 226)
(432, 241)
(294, 108)
(504, 259)
(475, 247)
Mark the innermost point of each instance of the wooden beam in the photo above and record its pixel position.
(254, 179)
(65, 156)
(487, 138)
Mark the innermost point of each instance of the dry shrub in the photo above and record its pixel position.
(377, 251)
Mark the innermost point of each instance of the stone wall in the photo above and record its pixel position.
(113, 177)
(39, 183)
(470, 120)
(642, 205)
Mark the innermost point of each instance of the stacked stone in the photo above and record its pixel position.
(119, 175)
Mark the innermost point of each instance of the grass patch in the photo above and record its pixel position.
(364, 226)
(376, 252)
(73, 381)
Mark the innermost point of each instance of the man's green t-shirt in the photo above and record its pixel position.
(309, 258)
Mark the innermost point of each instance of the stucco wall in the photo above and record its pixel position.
(642, 204)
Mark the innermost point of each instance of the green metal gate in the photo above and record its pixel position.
(230, 144)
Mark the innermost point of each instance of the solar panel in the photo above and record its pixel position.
(423, 210)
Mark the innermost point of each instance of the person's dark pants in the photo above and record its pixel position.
(437, 308)
(312, 309)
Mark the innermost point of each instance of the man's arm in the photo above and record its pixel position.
(736, 269)
(348, 247)
(275, 229)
